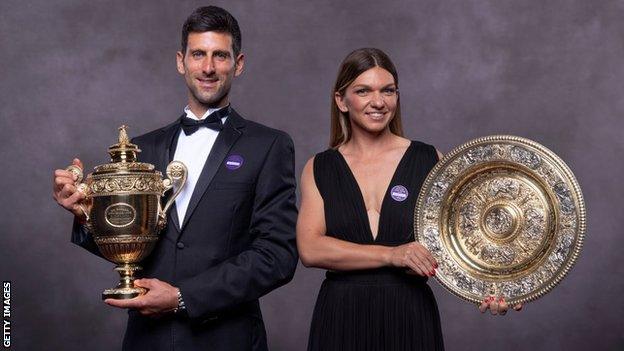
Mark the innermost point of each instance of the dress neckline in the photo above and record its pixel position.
(363, 214)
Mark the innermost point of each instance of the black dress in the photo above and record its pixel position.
(376, 309)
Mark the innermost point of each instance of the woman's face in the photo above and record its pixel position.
(370, 101)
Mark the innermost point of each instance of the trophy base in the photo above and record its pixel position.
(122, 293)
(125, 289)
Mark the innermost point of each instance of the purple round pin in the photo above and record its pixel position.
(233, 162)
(399, 193)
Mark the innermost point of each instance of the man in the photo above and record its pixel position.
(231, 236)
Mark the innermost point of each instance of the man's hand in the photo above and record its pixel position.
(160, 298)
(65, 192)
(497, 306)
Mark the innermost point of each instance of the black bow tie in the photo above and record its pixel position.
(213, 121)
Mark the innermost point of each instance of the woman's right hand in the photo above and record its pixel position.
(415, 257)
(66, 193)
(497, 305)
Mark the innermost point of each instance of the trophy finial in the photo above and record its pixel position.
(123, 135)
(124, 150)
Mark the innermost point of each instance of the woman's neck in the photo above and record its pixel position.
(368, 144)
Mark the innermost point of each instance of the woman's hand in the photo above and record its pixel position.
(415, 257)
(497, 306)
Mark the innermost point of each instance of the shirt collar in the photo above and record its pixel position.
(190, 114)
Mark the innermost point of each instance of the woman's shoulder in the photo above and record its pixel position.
(422, 146)
(325, 153)
(418, 143)
(318, 169)
(323, 156)
(319, 159)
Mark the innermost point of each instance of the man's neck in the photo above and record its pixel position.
(200, 109)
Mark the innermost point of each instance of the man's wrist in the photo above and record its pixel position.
(181, 306)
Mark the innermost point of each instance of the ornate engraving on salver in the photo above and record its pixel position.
(502, 215)
(120, 215)
(500, 222)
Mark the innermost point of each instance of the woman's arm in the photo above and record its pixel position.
(319, 250)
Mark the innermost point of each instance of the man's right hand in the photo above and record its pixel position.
(65, 192)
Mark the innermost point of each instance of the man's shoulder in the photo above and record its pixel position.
(261, 130)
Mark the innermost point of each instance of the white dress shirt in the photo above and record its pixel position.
(193, 151)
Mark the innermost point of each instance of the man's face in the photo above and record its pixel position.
(208, 66)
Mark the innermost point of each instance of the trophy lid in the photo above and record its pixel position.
(123, 156)
(124, 150)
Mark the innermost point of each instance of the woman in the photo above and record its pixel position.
(356, 220)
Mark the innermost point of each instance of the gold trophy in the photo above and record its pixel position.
(124, 213)
(502, 215)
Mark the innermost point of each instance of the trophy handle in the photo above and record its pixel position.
(82, 187)
(176, 175)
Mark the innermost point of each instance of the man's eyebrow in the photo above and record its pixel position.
(222, 52)
(362, 85)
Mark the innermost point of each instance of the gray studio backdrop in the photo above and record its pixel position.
(72, 71)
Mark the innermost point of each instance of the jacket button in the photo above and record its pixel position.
(180, 245)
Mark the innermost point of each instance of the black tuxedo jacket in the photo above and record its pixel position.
(237, 241)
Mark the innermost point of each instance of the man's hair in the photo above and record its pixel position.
(212, 19)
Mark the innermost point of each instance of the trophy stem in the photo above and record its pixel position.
(125, 289)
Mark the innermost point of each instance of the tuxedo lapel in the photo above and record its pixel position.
(166, 149)
(232, 130)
